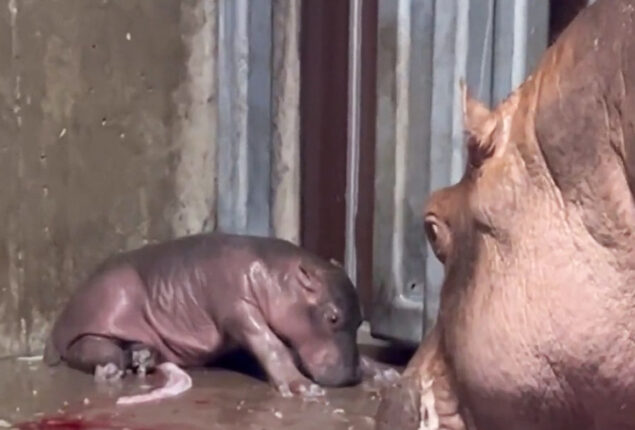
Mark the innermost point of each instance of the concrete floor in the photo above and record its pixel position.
(33, 396)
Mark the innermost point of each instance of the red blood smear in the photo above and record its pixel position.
(73, 423)
(66, 423)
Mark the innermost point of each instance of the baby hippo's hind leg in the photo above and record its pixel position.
(143, 359)
(102, 355)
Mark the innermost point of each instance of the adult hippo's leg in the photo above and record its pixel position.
(101, 355)
(423, 398)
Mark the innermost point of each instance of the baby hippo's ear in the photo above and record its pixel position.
(336, 263)
(307, 283)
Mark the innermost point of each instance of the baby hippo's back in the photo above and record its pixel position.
(170, 296)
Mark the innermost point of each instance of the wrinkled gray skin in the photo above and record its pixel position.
(190, 300)
(536, 328)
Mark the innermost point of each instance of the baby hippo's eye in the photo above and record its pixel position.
(439, 236)
(432, 229)
(332, 316)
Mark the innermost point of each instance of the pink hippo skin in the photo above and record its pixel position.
(188, 301)
(536, 329)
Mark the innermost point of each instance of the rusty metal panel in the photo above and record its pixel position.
(424, 48)
(324, 116)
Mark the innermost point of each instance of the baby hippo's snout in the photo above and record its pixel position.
(337, 376)
(334, 365)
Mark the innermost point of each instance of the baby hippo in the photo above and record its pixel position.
(188, 301)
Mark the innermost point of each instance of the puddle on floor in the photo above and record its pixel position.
(36, 397)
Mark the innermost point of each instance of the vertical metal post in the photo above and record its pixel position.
(232, 115)
(244, 111)
(521, 35)
(259, 117)
(285, 108)
(354, 98)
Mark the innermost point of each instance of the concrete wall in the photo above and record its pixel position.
(108, 140)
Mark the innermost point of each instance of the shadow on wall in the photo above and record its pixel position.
(561, 13)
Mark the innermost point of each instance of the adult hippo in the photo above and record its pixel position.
(187, 301)
(536, 328)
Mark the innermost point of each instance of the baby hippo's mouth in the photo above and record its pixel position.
(340, 376)
(336, 375)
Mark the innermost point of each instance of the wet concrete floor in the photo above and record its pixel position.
(34, 396)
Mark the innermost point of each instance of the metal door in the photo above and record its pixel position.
(423, 48)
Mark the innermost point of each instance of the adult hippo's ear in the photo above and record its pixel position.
(439, 236)
(479, 124)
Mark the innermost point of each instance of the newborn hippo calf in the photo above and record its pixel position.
(188, 301)
(536, 328)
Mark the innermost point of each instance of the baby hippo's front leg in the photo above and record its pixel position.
(253, 333)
